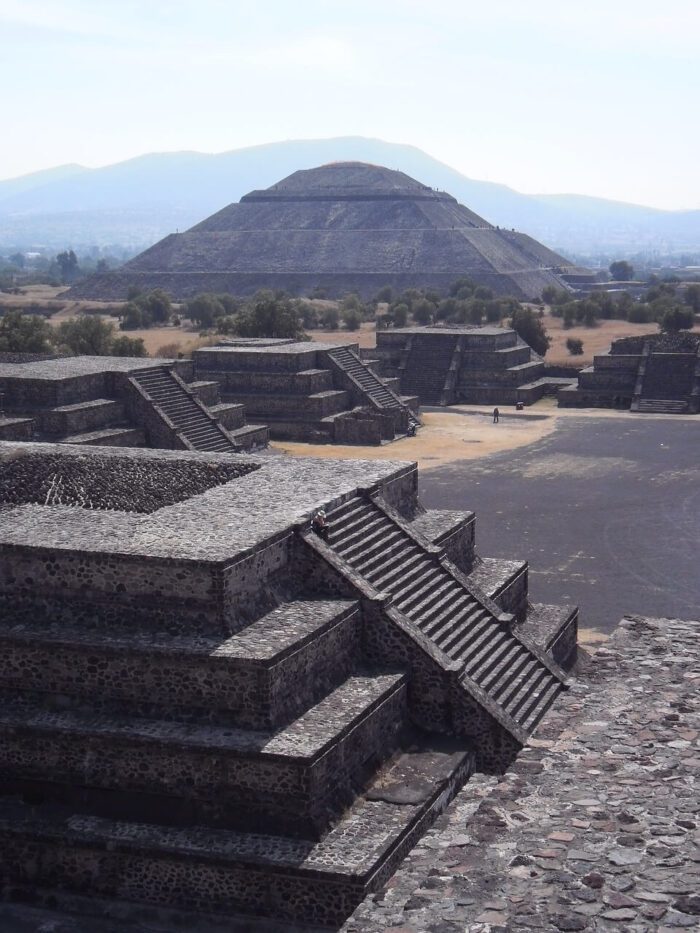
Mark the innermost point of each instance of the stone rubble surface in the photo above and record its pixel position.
(596, 826)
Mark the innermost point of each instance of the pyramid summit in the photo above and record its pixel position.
(345, 226)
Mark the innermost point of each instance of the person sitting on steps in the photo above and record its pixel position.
(319, 524)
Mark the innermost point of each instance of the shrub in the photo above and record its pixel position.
(574, 345)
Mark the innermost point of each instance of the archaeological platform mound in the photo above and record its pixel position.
(315, 392)
(208, 708)
(343, 227)
(120, 402)
(654, 373)
(477, 365)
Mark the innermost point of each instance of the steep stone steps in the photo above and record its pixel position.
(371, 385)
(428, 365)
(46, 850)
(443, 608)
(261, 677)
(180, 405)
(293, 779)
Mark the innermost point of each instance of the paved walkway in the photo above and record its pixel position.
(596, 827)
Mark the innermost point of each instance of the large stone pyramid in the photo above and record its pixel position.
(347, 226)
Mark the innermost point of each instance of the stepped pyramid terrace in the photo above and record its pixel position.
(655, 373)
(120, 402)
(478, 365)
(343, 227)
(211, 709)
(308, 391)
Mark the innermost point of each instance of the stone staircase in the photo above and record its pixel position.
(265, 773)
(661, 406)
(459, 621)
(370, 385)
(428, 367)
(171, 397)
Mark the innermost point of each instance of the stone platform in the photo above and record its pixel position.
(595, 827)
(206, 708)
(120, 402)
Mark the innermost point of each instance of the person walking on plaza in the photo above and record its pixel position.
(495, 416)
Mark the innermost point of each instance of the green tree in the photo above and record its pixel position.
(385, 294)
(462, 287)
(87, 335)
(270, 315)
(423, 311)
(204, 309)
(133, 317)
(574, 345)
(621, 270)
(127, 346)
(158, 305)
(330, 318)
(675, 319)
(530, 328)
(351, 318)
(25, 333)
(68, 264)
(399, 314)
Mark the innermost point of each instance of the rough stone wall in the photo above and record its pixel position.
(101, 590)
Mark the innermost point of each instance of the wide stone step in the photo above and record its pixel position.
(108, 437)
(529, 688)
(261, 677)
(511, 682)
(509, 670)
(404, 564)
(499, 660)
(457, 639)
(479, 654)
(533, 713)
(293, 779)
(363, 528)
(409, 595)
(250, 436)
(442, 611)
(229, 873)
(379, 543)
(435, 586)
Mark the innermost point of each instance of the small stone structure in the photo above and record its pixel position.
(308, 391)
(477, 365)
(344, 227)
(657, 373)
(209, 708)
(121, 402)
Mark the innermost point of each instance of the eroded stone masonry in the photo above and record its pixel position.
(210, 710)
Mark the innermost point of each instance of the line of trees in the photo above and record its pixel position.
(87, 335)
(662, 305)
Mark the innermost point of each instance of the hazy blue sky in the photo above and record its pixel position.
(580, 96)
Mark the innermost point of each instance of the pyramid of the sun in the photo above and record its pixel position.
(342, 227)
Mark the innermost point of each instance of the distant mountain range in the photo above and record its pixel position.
(135, 203)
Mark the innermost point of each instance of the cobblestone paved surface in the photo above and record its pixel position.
(204, 527)
(596, 827)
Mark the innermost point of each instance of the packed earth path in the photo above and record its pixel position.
(604, 505)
